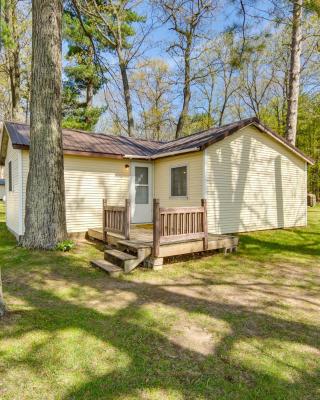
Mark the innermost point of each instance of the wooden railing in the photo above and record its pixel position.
(173, 224)
(116, 219)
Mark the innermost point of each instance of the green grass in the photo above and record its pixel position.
(243, 326)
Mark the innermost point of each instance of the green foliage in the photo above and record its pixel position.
(84, 75)
(198, 122)
(66, 245)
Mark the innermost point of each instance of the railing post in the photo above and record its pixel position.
(205, 224)
(104, 216)
(156, 227)
(127, 220)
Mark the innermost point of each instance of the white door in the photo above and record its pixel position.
(141, 192)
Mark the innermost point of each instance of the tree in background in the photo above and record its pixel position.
(15, 31)
(186, 18)
(45, 220)
(152, 84)
(84, 76)
(294, 72)
(115, 21)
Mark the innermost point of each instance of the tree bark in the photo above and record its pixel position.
(45, 219)
(13, 60)
(186, 90)
(89, 95)
(90, 89)
(294, 75)
(127, 97)
(2, 305)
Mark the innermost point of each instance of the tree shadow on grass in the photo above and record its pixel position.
(158, 363)
(308, 247)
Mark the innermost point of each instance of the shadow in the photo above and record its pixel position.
(154, 362)
(252, 187)
(279, 191)
(307, 247)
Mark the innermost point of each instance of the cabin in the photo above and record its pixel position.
(236, 178)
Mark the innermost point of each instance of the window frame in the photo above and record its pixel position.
(10, 181)
(184, 165)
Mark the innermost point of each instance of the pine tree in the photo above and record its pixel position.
(84, 75)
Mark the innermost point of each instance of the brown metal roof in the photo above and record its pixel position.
(99, 144)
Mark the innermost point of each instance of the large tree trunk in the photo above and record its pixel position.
(45, 200)
(186, 91)
(2, 305)
(13, 61)
(294, 75)
(127, 96)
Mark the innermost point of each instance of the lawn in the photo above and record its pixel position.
(243, 326)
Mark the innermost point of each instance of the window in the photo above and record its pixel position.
(142, 185)
(10, 176)
(179, 181)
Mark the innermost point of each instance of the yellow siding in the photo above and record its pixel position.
(162, 179)
(13, 197)
(254, 183)
(87, 181)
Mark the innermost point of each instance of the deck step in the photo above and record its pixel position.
(111, 269)
(119, 254)
(134, 245)
(125, 260)
(121, 259)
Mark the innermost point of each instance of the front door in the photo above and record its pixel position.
(141, 192)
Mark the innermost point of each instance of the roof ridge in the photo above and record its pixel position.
(245, 120)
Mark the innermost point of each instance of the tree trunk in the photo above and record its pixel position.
(90, 90)
(13, 60)
(45, 200)
(89, 95)
(2, 305)
(186, 91)
(127, 95)
(294, 75)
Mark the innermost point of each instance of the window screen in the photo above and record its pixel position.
(179, 181)
(10, 176)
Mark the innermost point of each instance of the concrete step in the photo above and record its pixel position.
(111, 269)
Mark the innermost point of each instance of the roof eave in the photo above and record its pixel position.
(175, 153)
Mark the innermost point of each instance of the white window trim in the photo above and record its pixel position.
(170, 172)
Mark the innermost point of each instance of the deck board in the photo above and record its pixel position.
(141, 235)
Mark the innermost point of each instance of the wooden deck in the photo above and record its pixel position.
(141, 236)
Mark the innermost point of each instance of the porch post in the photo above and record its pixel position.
(127, 221)
(205, 224)
(156, 227)
(104, 215)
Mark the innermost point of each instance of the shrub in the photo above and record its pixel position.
(66, 245)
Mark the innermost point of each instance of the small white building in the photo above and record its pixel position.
(252, 178)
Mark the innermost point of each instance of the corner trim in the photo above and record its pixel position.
(20, 188)
(204, 173)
